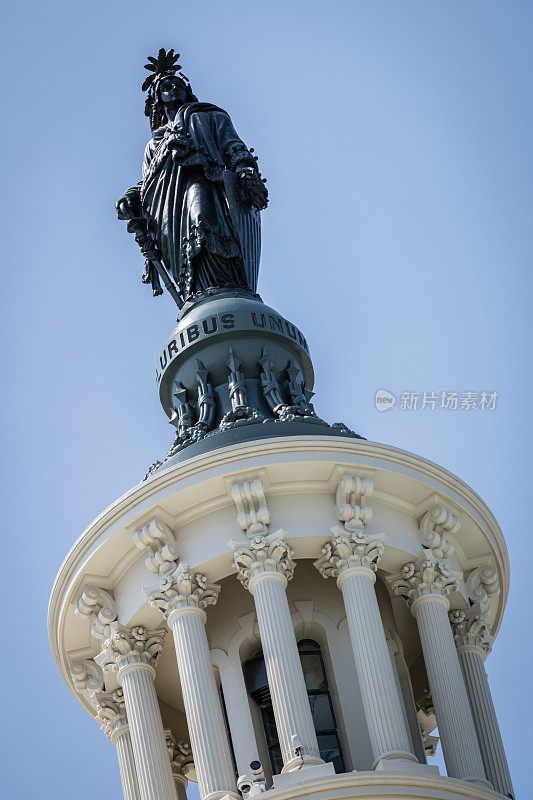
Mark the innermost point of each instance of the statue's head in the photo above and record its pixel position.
(168, 88)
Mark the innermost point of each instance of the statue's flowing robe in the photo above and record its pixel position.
(185, 199)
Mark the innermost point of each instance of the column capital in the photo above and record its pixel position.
(262, 557)
(350, 551)
(428, 577)
(471, 630)
(110, 712)
(181, 760)
(131, 647)
(99, 606)
(183, 591)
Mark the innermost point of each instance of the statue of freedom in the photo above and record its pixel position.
(196, 210)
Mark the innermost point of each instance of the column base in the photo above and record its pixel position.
(298, 763)
(483, 783)
(394, 757)
(309, 772)
(220, 795)
(395, 766)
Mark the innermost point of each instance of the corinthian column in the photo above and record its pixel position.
(264, 566)
(111, 714)
(182, 596)
(352, 558)
(426, 586)
(473, 640)
(110, 710)
(132, 653)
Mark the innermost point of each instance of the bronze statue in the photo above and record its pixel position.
(195, 212)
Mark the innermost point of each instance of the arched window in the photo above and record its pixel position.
(319, 700)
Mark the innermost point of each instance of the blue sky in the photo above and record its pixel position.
(396, 138)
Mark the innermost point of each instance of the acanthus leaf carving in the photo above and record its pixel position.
(347, 550)
(261, 555)
(110, 711)
(470, 628)
(180, 754)
(125, 646)
(426, 576)
(99, 606)
(183, 588)
(157, 538)
(253, 516)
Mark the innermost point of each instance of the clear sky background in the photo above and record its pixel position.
(396, 138)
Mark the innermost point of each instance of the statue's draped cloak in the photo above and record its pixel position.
(184, 201)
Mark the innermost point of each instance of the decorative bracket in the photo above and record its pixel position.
(434, 527)
(158, 539)
(352, 510)
(98, 604)
(88, 677)
(253, 516)
(481, 583)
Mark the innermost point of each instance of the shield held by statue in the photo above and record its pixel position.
(247, 227)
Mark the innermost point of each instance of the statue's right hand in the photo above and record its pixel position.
(127, 206)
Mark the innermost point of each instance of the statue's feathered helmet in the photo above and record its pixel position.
(161, 67)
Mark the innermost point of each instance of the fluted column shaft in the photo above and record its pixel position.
(490, 741)
(405, 690)
(205, 720)
(128, 774)
(385, 719)
(286, 682)
(452, 708)
(147, 736)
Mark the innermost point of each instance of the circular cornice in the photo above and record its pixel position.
(367, 454)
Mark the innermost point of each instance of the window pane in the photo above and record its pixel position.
(308, 644)
(275, 759)
(255, 674)
(322, 712)
(328, 744)
(269, 724)
(313, 671)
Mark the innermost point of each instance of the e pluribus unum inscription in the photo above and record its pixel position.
(245, 321)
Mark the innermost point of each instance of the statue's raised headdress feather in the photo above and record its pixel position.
(165, 64)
